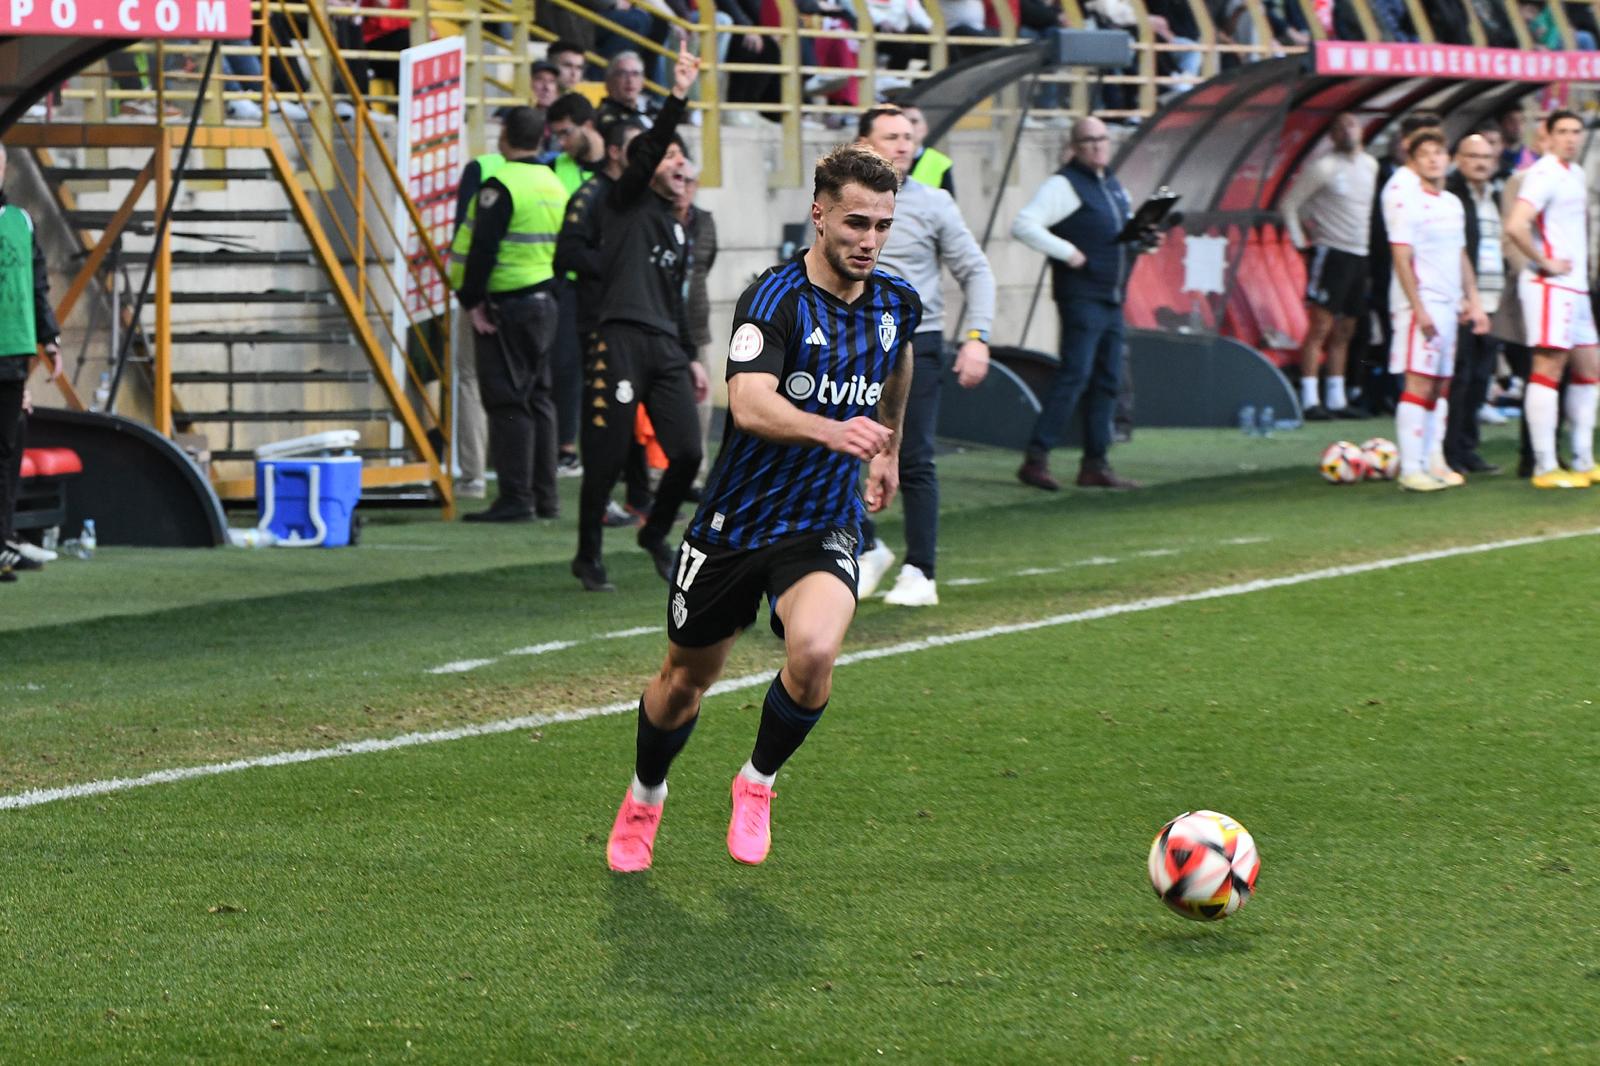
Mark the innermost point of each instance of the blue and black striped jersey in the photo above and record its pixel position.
(831, 359)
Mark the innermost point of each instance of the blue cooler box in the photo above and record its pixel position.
(308, 501)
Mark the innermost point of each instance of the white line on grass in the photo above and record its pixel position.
(636, 631)
(36, 797)
(541, 649)
(460, 666)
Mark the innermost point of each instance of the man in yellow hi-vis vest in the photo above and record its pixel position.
(929, 166)
(506, 288)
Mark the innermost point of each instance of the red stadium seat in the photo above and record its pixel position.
(1276, 308)
(50, 462)
(42, 499)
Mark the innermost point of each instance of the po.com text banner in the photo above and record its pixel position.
(1360, 58)
(225, 19)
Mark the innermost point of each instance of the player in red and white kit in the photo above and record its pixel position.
(1432, 290)
(1549, 223)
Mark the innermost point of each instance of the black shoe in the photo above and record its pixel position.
(496, 513)
(693, 494)
(12, 559)
(1101, 476)
(549, 515)
(661, 554)
(1316, 413)
(1477, 464)
(593, 576)
(619, 517)
(1036, 473)
(1350, 413)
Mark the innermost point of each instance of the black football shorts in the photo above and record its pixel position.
(716, 590)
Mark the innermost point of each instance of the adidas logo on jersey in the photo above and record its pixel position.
(816, 337)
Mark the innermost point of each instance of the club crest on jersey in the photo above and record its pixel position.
(680, 610)
(886, 331)
(624, 391)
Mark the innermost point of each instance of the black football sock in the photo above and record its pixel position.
(784, 725)
(655, 748)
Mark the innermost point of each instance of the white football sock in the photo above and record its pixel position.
(1580, 404)
(1539, 404)
(1410, 421)
(1335, 391)
(750, 773)
(644, 794)
(1308, 391)
(1433, 437)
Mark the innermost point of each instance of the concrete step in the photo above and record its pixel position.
(274, 296)
(347, 414)
(89, 219)
(265, 336)
(271, 377)
(65, 173)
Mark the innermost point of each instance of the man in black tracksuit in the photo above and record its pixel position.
(641, 356)
(580, 251)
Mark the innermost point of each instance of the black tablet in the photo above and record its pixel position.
(1150, 215)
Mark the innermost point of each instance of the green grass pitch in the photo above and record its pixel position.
(958, 863)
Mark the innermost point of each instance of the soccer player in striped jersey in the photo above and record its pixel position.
(818, 373)
(1549, 223)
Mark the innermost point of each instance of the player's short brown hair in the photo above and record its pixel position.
(1429, 135)
(853, 164)
(1553, 117)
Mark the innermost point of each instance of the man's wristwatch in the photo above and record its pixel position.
(978, 335)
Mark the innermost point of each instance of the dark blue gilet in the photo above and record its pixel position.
(1093, 229)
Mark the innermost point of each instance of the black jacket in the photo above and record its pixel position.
(578, 248)
(1457, 183)
(644, 249)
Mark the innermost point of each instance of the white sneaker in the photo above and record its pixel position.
(874, 563)
(245, 109)
(344, 109)
(471, 488)
(913, 588)
(32, 552)
(290, 110)
(1490, 415)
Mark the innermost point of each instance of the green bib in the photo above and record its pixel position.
(931, 168)
(18, 331)
(488, 166)
(570, 172)
(528, 250)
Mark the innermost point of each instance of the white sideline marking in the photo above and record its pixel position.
(636, 631)
(460, 666)
(36, 797)
(463, 665)
(541, 649)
